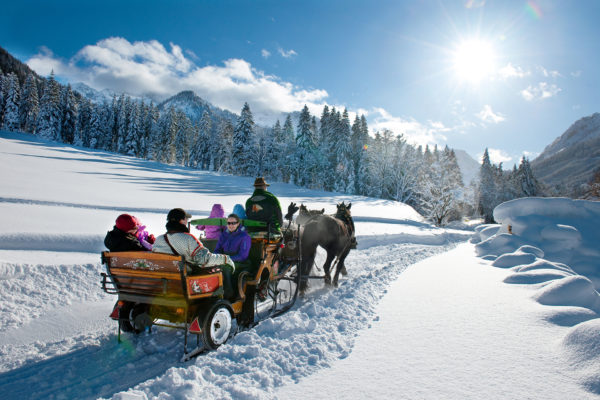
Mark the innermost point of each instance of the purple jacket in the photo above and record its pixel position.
(236, 244)
(213, 232)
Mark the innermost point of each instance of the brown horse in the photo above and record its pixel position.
(335, 235)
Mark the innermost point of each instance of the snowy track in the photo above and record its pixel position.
(37, 362)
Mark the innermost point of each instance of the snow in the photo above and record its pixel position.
(423, 313)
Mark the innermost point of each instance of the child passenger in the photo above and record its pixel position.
(123, 236)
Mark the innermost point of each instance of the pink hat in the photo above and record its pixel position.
(126, 222)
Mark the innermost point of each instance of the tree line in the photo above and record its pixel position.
(328, 153)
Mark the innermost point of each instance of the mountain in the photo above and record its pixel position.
(194, 106)
(95, 96)
(468, 166)
(9, 64)
(571, 159)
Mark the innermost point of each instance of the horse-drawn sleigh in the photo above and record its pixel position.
(163, 290)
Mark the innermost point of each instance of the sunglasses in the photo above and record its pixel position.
(232, 223)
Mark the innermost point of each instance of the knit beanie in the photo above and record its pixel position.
(125, 222)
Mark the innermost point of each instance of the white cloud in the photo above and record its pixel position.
(487, 115)
(265, 53)
(549, 74)
(148, 68)
(576, 74)
(287, 53)
(542, 91)
(511, 71)
(415, 132)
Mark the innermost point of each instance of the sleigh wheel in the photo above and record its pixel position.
(217, 325)
(125, 322)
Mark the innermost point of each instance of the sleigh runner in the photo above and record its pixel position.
(163, 290)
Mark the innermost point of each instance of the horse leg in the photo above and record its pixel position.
(339, 268)
(308, 259)
(327, 267)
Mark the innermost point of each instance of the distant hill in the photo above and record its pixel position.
(468, 166)
(571, 159)
(9, 64)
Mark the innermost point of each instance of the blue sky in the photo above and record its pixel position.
(507, 75)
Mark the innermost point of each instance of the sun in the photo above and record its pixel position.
(474, 60)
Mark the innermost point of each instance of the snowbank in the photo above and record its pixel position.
(553, 244)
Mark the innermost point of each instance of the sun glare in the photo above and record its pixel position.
(474, 60)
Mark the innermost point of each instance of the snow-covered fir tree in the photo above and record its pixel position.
(49, 118)
(183, 139)
(12, 121)
(287, 154)
(304, 163)
(69, 115)
(30, 105)
(83, 124)
(486, 200)
(225, 147)
(243, 143)
(527, 184)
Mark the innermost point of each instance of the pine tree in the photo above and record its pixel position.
(304, 164)
(132, 130)
(82, 132)
(288, 155)
(528, 185)
(344, 169)
(49, 117)
(123, 117)
(12, 120)
(98, 133)
(486, 200)
(30, 105)
(225, 148)
(69, 115)
(3, 84)
(182, 139)
(205, 149)
(243, 143)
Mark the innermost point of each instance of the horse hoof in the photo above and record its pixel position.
(343, 271)
(327, 280)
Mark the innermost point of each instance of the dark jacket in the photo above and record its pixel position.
(236, 244)
(264, 206)
(117, 240)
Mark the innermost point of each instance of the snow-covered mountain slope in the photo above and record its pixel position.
(468, 166)
(194, 106)
(573, 157)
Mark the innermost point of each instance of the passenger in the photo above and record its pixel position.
(146, 239)
(238, 210)
(234, 242)
(178, 240)
(264, 206)
(123, 236)
(213, 231)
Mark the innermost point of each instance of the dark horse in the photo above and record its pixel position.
(305, 214)
(334, 234)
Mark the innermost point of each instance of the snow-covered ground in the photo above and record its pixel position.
(424, 313)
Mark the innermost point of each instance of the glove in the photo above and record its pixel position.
(229, 261)
(151, 239)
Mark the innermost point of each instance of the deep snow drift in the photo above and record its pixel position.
(417, 317)
(554, 246)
